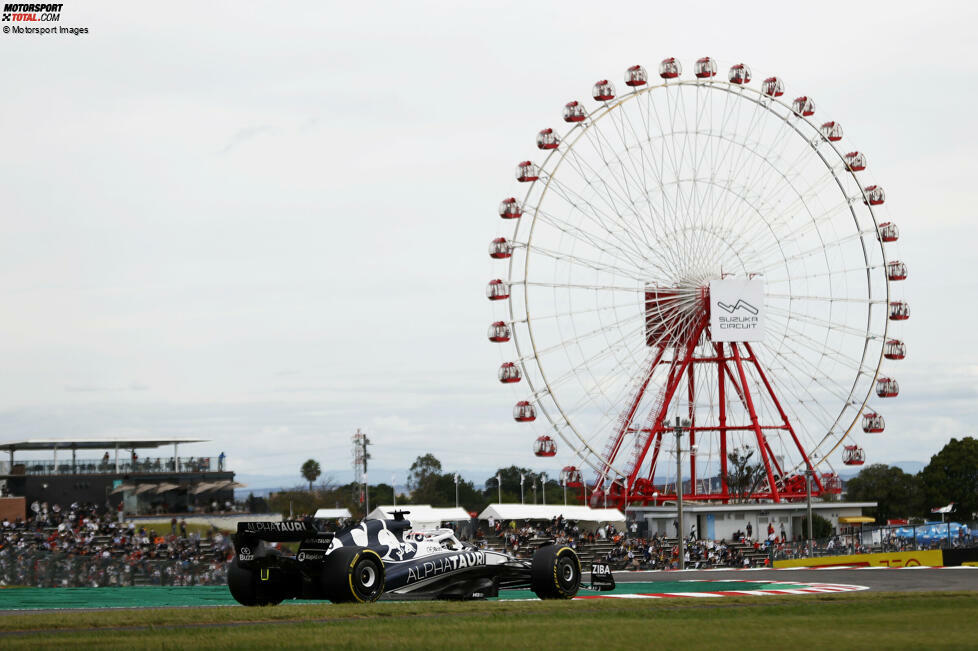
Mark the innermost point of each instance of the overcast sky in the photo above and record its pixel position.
(265, 224)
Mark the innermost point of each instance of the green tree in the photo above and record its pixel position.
(310, 471)
(423, 468)
(896, 493)
(821, 526)
(952, 476)
(511, 484)
(742, 476)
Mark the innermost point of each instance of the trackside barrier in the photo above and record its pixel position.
(929, 557)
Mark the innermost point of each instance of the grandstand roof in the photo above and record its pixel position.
(94, 443)
(549, 512)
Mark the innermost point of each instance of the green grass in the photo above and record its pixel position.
(863, 620)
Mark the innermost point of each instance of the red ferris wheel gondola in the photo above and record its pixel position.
(773, 87)
(544, 446)
(873, 423)
(603, 90)
(853, 455)
(636, 76)
(524, 412)
(574, 112)
(705, 68)
(887, 387)
(500, 248)
(547, 139)
(510, 209)
(509, 373)
(739, 74)
(889, 232)
(499, 332)
(670, 68)
(570, 476)
(894, 349)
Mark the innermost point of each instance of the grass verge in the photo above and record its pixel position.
(863, 620)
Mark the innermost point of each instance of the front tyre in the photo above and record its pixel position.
(555, 572)
(353, 575)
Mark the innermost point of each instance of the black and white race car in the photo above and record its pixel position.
(386, 558)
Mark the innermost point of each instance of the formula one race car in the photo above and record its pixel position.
(386, 558)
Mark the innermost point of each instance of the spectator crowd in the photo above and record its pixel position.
(81, 545)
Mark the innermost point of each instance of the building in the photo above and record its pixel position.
(721, 521)
(134, 473)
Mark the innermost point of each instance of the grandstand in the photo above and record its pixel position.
(129, 475)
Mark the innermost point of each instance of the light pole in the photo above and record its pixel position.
(808, 490)
(534, 492)
(394, 488)
(499, 487)
(563, 482)
(543, 486)
(679, 490)
(456, 490)
(522, 499)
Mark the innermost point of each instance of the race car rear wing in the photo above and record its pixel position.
(294, 531)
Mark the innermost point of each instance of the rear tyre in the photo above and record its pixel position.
(555, 572)
(248, 590)
(353, 575)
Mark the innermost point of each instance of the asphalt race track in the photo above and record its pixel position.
(880, 579)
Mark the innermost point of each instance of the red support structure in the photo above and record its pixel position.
(721, 388)
(737, 366)
(692, 424)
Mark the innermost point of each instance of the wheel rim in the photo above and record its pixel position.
(568, 573)
(368, 577)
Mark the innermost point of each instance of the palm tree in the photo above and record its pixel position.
(311, 471)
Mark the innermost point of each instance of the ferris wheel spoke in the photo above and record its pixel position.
(679, 202)
(830, 299)
(799, 337)
(595, 214)
(819, 379)
(613, 249)
(823, 323)
(586, 263)
(578, 163)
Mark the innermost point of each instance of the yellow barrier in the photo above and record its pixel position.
(931, 557)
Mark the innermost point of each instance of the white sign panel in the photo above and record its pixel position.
(737, 309)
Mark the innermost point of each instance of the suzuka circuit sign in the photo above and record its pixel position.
(737, 309)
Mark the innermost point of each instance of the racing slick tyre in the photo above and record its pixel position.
(353, 575)
(247, 589)
(555, 572)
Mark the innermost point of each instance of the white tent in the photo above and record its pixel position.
(507, 512)
(330, 514)
(421, 516)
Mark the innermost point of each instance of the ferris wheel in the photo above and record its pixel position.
(697, 254)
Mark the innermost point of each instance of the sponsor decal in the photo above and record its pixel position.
(601, 577)
(275, 527)
(308, 556)
(318, 541)
(438, 566)
(245, 554)
(737, 310)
